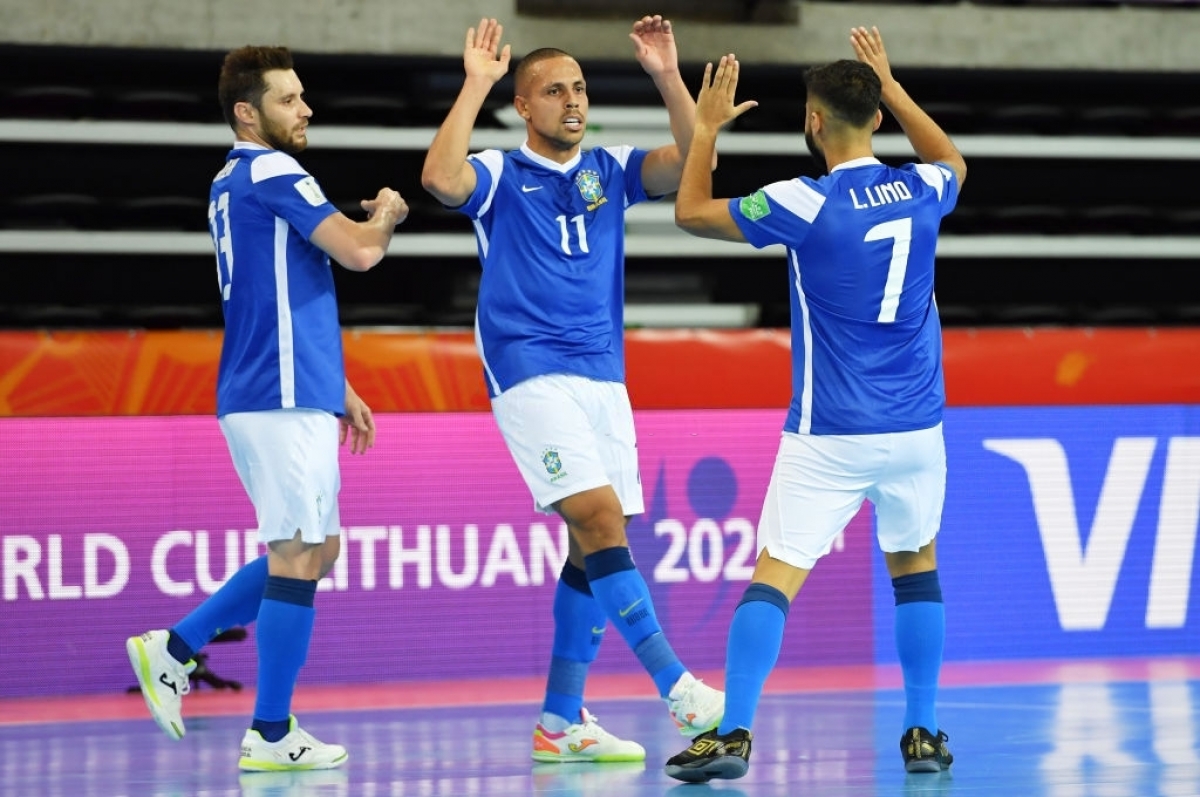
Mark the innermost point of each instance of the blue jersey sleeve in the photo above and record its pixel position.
(632, 160)
(779, 213)
(941, 178)
(487, 165)
(282, 185)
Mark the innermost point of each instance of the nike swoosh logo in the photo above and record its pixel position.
(528, 188)
(596, 630)
(629, 608)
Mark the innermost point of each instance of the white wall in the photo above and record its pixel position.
(1126, 38)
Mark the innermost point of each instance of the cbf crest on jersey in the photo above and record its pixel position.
(590, 188)
(553, 464)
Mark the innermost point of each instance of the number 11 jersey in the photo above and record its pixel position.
(551, 239)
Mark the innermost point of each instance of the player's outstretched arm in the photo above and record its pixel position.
(654, 47)
(446, 173)
(695, 209)
(360, 245)
(929, 141)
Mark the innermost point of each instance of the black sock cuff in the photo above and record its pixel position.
(766, 594)
(917, 588)
(300, 591)
(608, 561)
(575, 578)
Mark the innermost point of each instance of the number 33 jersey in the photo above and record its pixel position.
(866, 340)
(551, 239)
(282, 346)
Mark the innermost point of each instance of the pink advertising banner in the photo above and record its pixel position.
(111, 526)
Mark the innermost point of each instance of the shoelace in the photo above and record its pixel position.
(592, 726)
(183, 681)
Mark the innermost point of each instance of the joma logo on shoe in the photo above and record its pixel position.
(296, 754)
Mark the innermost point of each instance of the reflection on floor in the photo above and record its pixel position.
(1084, 728)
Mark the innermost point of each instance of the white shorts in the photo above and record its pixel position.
(569, 434)
(288, 463)
(819, 482)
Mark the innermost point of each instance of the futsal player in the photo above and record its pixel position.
(549, 221)
(865, 419)
(281, 396)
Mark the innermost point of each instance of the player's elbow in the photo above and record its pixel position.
(687, 219)
(440, 185)
(363, 258)
(960, 169)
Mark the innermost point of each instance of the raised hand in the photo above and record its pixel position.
(654, 45)
(386, 201)
(714, 106)
(868, 46)
(482, 56)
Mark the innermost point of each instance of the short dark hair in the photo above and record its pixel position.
(242, 76)
(850, 89)
(533, 59)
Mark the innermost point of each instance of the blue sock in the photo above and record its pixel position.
(755, 636)
(579, 624)
(235, 604)
(285, 622)
(920, 635)
(623, 595)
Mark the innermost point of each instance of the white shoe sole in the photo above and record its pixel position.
(140, 661)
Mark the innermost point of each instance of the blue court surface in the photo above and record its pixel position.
(1090, 736)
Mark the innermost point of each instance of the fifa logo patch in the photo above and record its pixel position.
(553, 464)
(755, 206)
(590, 188)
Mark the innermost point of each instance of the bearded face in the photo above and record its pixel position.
(289, 137)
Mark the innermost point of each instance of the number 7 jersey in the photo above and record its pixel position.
(551, 239)
(866, 339)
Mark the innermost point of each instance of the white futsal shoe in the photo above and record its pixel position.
(583, 742)
(163, 680)
(695, 706)
(299, 750)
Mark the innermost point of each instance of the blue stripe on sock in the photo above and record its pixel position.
(656, 655)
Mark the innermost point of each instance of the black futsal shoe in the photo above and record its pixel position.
(713, 756)
(924, 752)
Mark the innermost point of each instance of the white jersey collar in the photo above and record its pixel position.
(239, 144)
(549, 164)
(854, 164)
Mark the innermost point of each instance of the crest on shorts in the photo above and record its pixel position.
(552, 462)
(590, 188)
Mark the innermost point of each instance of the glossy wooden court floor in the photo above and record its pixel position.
(1116, 728)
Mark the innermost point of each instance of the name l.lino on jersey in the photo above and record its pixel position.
(884, 194)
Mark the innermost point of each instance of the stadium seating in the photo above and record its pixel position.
(1068, 178)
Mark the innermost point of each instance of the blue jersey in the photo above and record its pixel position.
(866, 340)
(283, 344)
(551, 240)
